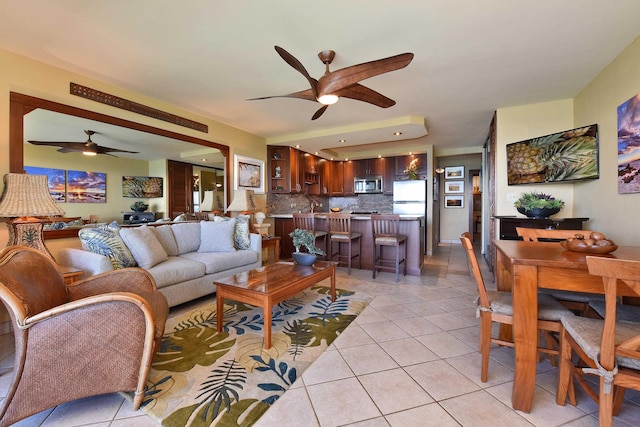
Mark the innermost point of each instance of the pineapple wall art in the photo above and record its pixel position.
(570, 155)
(629, 146)
(141, 186)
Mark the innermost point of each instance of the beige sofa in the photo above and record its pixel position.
(183, 258)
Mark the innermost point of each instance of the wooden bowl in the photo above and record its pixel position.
(590, 249)
(336, 210)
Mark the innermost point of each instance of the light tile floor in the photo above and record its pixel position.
(410, 359)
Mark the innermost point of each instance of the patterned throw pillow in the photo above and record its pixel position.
(105, 241)
(241, 231)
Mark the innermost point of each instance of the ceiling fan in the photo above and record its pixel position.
(344, 82)
(88, 147)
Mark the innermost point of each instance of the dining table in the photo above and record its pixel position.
(523, 267)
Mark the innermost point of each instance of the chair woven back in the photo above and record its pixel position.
(30, 282)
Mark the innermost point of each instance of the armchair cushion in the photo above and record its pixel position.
(144, 246)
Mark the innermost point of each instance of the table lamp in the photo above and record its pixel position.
(242, 203)
(25, 197)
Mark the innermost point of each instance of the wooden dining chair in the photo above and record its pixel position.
(306, 221)
(340, 233)
(610, 348)
(578, 302)
(496, 306)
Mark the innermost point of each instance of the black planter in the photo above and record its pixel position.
(539, 213)
(303, 258)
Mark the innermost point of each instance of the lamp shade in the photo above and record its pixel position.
(242, 201)
(27, 195)
(207, 202)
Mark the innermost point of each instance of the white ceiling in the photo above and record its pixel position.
(208, 56)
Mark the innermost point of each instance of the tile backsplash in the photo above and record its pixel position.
(289, 203)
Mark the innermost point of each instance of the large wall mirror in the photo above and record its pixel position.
(35, 119)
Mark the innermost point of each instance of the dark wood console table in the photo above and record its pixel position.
(508, 225)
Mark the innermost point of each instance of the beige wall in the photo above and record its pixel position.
(615, 214)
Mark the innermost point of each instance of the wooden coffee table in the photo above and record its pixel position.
(269, 285)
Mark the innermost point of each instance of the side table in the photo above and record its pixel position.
(272, 242)
(70, 274)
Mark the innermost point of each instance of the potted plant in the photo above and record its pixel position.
(139, 206)
(538, 205)
(306, 239)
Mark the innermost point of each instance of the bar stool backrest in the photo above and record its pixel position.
(385, 225)
(304, 221)
(339, 223)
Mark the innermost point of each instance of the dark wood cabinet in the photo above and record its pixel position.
(311, 174)
(368, 167)
(278, 168)
(324, 168)
(336, 176)
(389, 175)
(348, 175)
(180, 182)
(282, 228)
(508, 225)
(402, 162)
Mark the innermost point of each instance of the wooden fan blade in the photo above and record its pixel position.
(72, 146)
(363, 93)
(345, 77)
(303, 94)
(107, 150)
(297, 65)
(319, 112)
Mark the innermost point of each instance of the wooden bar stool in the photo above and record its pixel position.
(386, 232)
(307, 221)
(340, 233)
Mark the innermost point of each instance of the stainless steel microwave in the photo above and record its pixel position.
(370, 184)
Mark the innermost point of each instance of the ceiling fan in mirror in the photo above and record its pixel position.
(88, 148)
(344, 82)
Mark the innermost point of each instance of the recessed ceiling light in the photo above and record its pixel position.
(298, 145)
(342, 140)
(316, 153)
(397, 133)
(332, 158)
(379, 156)
(410, 153)
(204, 160)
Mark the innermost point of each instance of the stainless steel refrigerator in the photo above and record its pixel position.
(410, 197)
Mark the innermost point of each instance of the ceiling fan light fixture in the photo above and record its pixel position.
(89, 153)
(328, 99)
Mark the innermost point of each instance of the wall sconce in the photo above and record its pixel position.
(439, 170)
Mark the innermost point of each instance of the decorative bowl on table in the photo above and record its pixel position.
(336, 210)
(596, 243)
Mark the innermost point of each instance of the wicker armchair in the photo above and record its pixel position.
(93, 337)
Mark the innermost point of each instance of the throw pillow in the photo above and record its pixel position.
(144, 246)
(241, 230)
(180, 218)
(167, 239)
(187, 235)
(216, 236)
(105, 241)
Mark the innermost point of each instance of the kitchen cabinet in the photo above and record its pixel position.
(508, 225)
(389, 175)
(368, 167)
(336, 183)
(348, 175)
(324, 168)
(402, 162)
(311, 174)
(278, 168)
(282, 228)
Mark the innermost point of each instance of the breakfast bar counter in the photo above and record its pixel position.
(411, 226)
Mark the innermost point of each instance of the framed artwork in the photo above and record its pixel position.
(629, 146)
(454, 172)
(86, 187)
(141, 186)
(248, 174)
(56, 178)
(570, 155)
(454, 201)
(454, 187)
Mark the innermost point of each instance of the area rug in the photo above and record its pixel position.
(200, 377)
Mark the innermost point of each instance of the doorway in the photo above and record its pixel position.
(475, 210)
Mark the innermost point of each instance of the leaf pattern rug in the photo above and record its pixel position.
(200, 377)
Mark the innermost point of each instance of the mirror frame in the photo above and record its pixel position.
(22, 104)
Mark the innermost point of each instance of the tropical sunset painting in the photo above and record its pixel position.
(55, 178)
(86, 187)
(629, 146)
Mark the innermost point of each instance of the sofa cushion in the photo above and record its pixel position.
(176, 270)
(216, 236)
(187, 235)
(221, 261)
(106, 241)
(241, 231)
(144, 246)
(167, 239)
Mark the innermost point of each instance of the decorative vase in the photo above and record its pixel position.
(539, 213)
(303, 258)
(139, 209)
